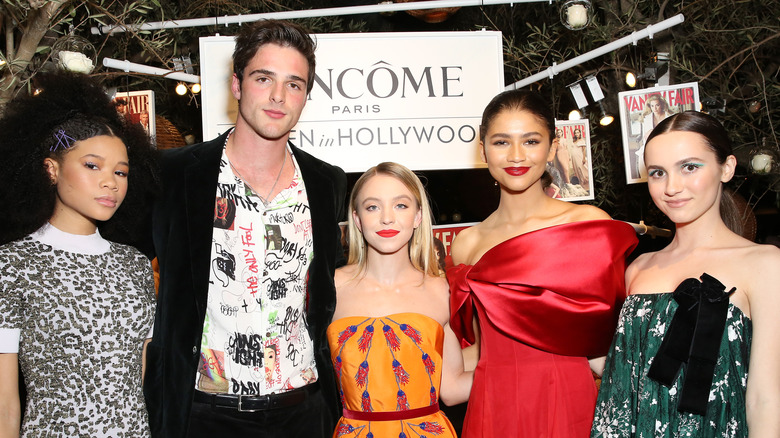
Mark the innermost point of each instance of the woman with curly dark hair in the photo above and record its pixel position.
(75, 308)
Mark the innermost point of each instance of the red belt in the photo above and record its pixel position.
(392, 415)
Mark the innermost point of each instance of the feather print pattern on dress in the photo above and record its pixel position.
(409, 357)
(364, 343)
(392, 339)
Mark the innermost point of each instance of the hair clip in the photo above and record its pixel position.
(63, 140)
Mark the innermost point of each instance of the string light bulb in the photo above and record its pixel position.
(181, 89)
(195, 88)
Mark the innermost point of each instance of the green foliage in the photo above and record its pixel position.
(729, 46)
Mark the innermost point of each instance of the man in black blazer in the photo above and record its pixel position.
(247, 238)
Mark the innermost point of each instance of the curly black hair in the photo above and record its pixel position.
(30, 131)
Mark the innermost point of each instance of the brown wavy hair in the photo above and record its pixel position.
(717, 139)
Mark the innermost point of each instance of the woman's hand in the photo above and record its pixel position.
(455, 380)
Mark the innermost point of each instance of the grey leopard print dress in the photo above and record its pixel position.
(81, 320)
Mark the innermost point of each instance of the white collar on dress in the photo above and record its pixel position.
(91, 244)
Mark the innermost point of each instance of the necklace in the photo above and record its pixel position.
(265, 199)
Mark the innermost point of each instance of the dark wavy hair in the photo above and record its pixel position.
(284, 33)
(31, 131)
(717, 139)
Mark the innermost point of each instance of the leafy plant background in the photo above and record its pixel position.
(729, 46)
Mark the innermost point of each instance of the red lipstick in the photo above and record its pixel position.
(516, 171)
(387, 233)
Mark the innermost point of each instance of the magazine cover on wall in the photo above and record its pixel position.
(138, 107)
(641, 110)
(571, 169)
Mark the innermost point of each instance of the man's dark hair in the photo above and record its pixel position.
(283, 33)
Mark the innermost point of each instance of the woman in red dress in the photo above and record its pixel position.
(545, 278)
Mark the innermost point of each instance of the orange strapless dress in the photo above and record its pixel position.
(389, 371)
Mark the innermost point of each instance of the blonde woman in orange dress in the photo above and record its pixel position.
(391, 345)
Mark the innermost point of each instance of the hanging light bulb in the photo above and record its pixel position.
(605, 118)
(181, 89)
(575, 115)
(631, 79)
(195, 88)
(652, 73)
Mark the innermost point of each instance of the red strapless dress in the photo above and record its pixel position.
(545, 301)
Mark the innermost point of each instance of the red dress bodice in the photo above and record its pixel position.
(546, 301)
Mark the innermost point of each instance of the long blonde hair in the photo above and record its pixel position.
(664, 106)
(422, 252)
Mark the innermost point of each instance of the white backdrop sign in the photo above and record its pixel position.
(415, 98)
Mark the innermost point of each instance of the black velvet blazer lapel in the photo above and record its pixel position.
(200, 180)
(182, 229)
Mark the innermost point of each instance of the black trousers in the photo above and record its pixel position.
(311, 418)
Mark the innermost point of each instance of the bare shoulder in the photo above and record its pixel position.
(466, 236)
(439, 305)
(583, 212)
(641, 261)
(756, 270)
(464, 243)
(438, 286)
(761, 262)
(349, 300)
(344, 275)
(769, 254)
(637, 267)
(750, 258)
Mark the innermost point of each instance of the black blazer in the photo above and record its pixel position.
(182, 226)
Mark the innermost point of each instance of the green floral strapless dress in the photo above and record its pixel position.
(632, 405)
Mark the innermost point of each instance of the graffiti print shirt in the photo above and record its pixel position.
(255, 339)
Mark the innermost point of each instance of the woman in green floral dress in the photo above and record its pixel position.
(701, 312)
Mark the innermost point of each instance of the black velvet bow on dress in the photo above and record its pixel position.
(693, 338)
